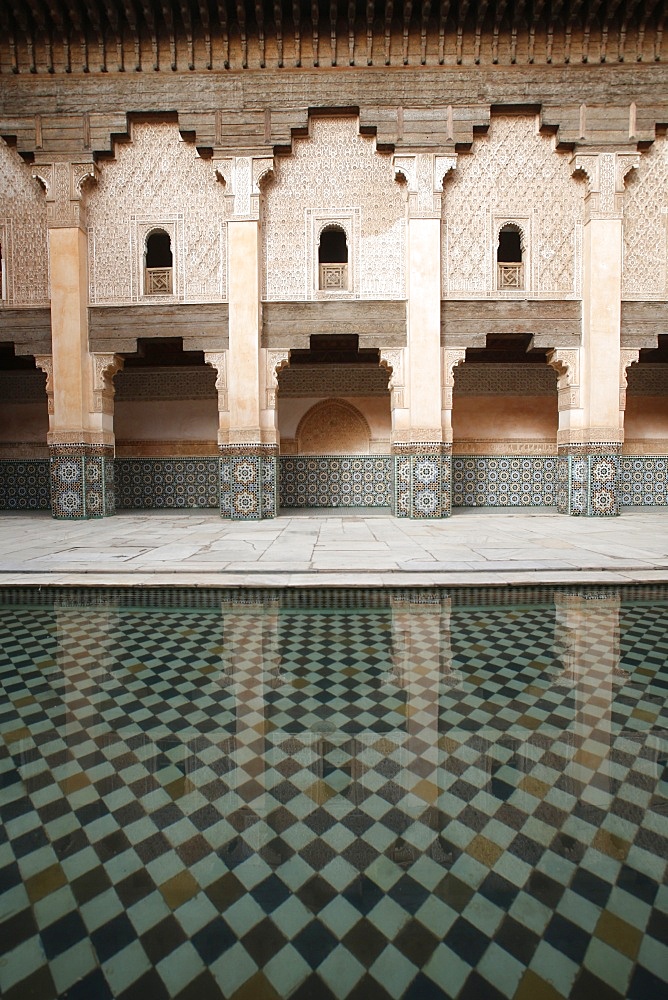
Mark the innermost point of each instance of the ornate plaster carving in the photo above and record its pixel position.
(219, 362)
(333, 427)
(105, 367)
(566, 363)
(45, 362)
(335, 174)
(393, 361)
(645, 274)
(606, 173)
(64, 183)
(156, 181)
(23, 234)
(498, 180)
(451, 357)
(626, 359)
(424, 174)
(276, 362)
(243, 177)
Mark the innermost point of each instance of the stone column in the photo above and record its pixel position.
(249, 456)
(590, 444)
(81, 440)
(422, 459)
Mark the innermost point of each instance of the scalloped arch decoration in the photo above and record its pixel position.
(333, 427)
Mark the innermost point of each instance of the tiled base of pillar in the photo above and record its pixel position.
(589, 483)
(422, 482)
(82, 482)
(249, 483)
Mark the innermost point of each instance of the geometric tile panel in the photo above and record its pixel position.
(592, 486)
(256, 801)
(25, 484)
(334, 481)
(576, 484)
(603, 475)
(248, 486)
(154, 483)
(422, 484)
(644, 481)
(81, 484)
(505, 481)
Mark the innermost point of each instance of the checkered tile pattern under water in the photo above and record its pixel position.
(418, 798)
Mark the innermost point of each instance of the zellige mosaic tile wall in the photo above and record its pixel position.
(25, 485)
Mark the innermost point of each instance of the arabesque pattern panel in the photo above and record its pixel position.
(497, 184)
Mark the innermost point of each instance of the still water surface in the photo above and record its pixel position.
(352, 794)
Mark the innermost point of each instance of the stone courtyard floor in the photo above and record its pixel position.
(335, 548)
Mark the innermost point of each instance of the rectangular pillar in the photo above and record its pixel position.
(82, 457)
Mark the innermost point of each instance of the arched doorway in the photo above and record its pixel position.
(165, 425)
(24, 424)
(644, 461)
(505, 421)
(334, 424)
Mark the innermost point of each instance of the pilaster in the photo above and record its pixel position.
(590, 428)
(422, 458)
(81, 439)
(247, 438)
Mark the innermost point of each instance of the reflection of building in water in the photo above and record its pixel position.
(310, 287)
(586, 639)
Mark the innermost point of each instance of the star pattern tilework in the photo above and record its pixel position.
(419, 798)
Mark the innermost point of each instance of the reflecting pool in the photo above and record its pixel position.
(421, 793)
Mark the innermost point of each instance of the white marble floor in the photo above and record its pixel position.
(474, 546)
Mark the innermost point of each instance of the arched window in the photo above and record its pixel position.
(510, 266)
(333, 259)
(158, 263)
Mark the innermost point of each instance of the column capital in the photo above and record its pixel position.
(64, 181)
(605, 172)
(424, 174)
(243, 177)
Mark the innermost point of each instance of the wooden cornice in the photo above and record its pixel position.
(196, 35)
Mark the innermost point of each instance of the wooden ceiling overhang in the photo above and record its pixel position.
(134, 35)
(242, 77)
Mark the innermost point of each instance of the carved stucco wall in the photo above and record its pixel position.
(157, 181)
(512, 174)
(334, 175)
(645, 274)
(23, 233)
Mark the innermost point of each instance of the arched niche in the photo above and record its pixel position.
(333, 427)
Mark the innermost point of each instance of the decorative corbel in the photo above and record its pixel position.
(45, 363)
(626, 359)
(451, 357)
(393, 362)
(105, 367)
(566, 363)
(219, 362)
(276, 362)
